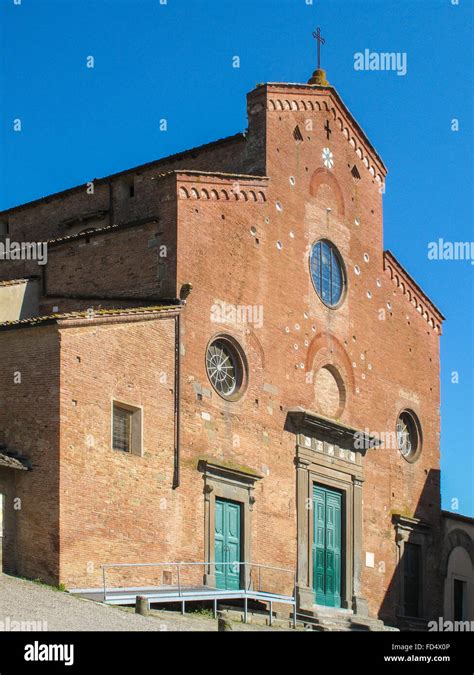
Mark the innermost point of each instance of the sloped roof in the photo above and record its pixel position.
(86, 314)
(14, 282)
(141, 167)
(10, 462)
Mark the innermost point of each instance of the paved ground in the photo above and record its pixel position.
(56, 611)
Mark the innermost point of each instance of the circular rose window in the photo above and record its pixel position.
(225, 367)
(408, 436)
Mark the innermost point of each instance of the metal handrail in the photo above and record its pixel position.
(169, 564)
(246, 593)
(178, 566)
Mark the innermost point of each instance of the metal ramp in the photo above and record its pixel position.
(258, 584)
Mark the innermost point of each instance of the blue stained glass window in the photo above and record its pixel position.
(326, 272)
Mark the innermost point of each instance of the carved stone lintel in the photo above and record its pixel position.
(339, 434)
(405, 527)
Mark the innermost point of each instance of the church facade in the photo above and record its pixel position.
(220, 362)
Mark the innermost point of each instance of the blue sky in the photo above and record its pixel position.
(174, 61)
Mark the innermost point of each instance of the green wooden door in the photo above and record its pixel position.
(227, 544)
(327, 546)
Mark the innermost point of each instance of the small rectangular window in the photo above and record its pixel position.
(122, 429)
(126, 428)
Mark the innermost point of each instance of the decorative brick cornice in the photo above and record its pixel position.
(414, 294)
(297, 97)
(221, 187)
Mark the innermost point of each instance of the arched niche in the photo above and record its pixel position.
(324, 186)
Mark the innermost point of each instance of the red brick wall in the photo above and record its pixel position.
(387, 357)
(117, 507)
(390, 360)
(126, 263)
(29, 424)
(43, 220)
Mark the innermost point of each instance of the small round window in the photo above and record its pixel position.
(225, 367)
(408, 436)
(327, 272)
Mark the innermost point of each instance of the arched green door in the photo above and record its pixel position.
(327, 505)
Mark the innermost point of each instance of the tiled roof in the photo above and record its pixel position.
(13, 282)
(83, 235)
(216, 174)
(457, 516)
(148, 165)
(11, 462)
(86, 314)
(102, 230)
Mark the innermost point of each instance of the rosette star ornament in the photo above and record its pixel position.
(328, 158)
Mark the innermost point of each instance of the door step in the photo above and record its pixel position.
(328, 619)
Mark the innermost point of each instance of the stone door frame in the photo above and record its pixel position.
(310, 473)
(413, 531)
(326, 455)
(235, 485)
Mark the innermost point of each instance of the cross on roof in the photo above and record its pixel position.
(321, 41)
